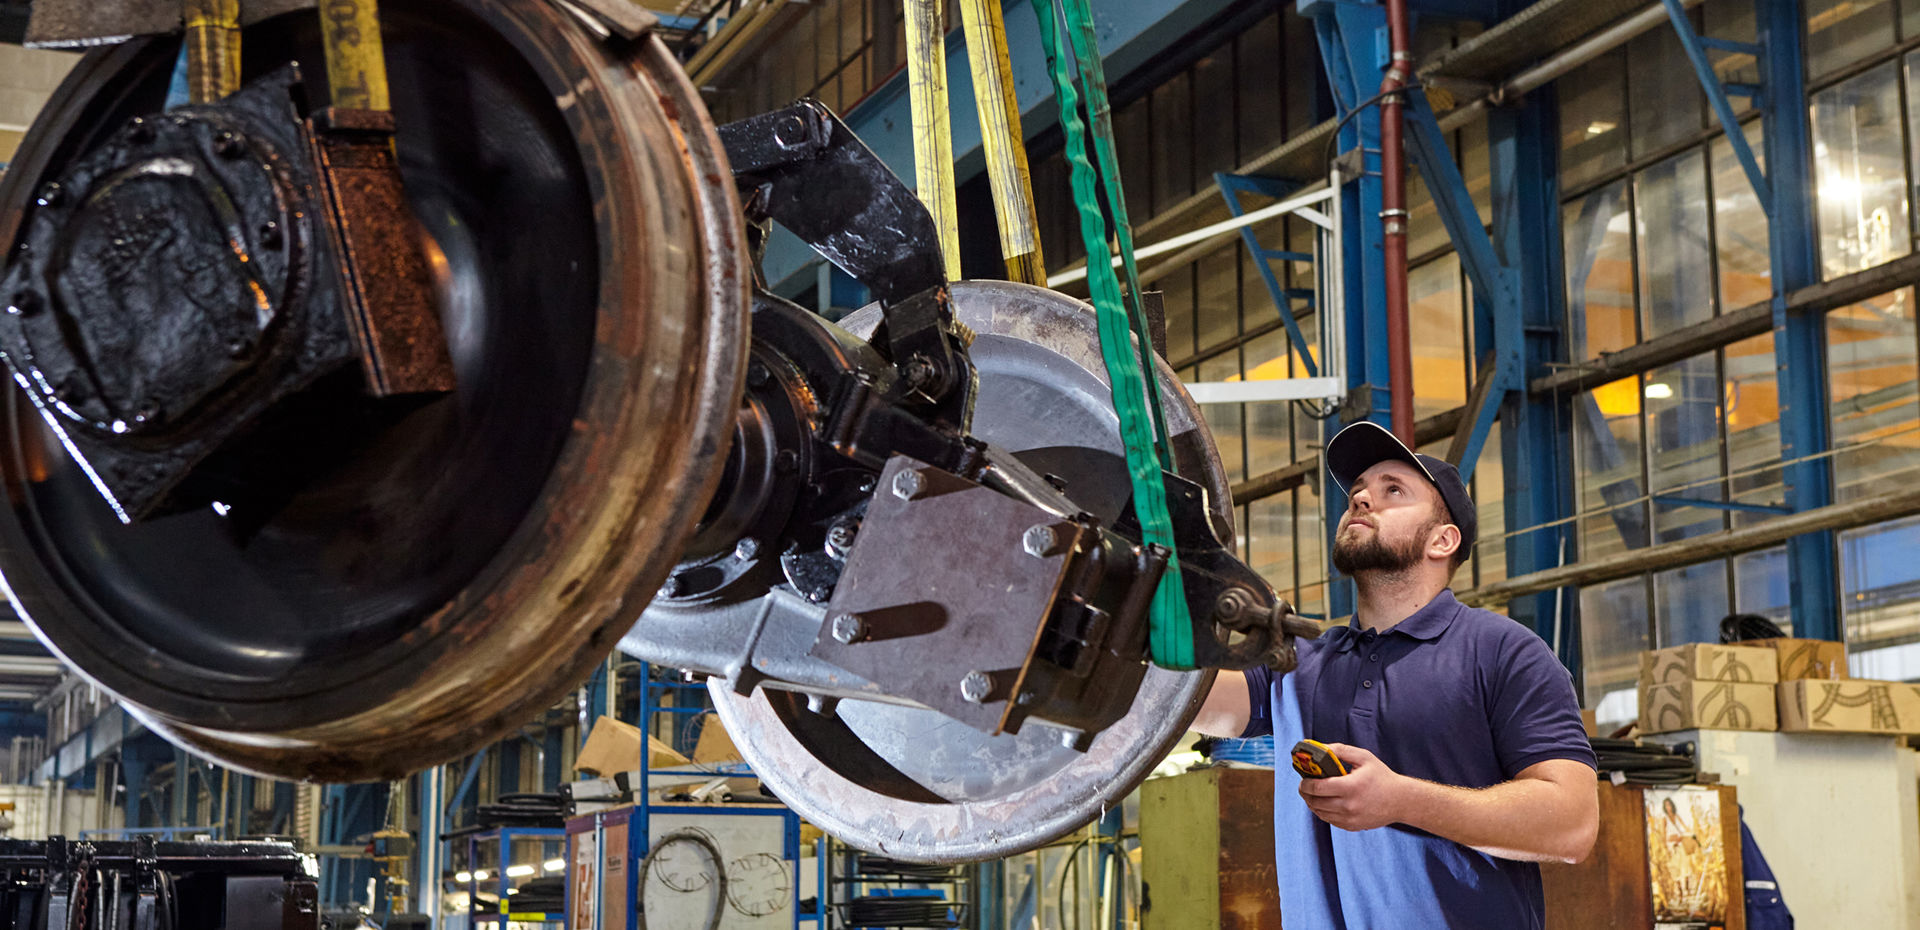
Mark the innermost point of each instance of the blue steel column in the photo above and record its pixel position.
(1354, 53)
(1536, 439)
(1799, 339)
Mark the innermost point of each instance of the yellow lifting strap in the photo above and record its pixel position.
(932, 136)
(1001, 139)
(213, 48)
(356, 62)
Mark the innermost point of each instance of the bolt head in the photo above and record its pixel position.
(849, 628)
(757, 375)
(975, 687)
(791, 132)
(746, 548)
(1236, 608)
(228, 145)
(786, 461)
(909, 484)
(1039, 541)
(671, 587)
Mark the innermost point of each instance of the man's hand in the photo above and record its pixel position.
(1368, 796)
(1549, 812)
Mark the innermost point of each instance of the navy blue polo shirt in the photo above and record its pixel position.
(1451, 694)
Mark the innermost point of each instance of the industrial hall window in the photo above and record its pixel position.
(1662, 231)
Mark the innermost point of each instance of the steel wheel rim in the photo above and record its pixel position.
(885, 802)
(635, 460)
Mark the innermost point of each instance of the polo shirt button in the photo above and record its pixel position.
(1374, 658)
(1367, 684)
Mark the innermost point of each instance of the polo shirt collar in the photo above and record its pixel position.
(1425, 624)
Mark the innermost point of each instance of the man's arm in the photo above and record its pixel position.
(1228, 707)
(1550, 812)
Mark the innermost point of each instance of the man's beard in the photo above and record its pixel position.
(1372, 554)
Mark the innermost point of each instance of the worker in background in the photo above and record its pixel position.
(1467, 760)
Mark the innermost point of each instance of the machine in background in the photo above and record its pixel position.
(144, 884)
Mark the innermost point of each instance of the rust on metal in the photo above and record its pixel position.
(389, 285)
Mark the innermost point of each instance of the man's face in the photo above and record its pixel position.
(1392, 510)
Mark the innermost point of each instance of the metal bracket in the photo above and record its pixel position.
(1232, 186)
(804, 169)
(1696, 47)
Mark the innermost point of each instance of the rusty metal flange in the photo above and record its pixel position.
(504, 594)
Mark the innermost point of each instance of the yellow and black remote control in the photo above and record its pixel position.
(1314, 760)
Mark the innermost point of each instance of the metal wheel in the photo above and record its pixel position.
(909, 782)
(446, 577)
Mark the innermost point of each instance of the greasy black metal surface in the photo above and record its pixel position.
(171, 288)
(359, 533)
(804, 169)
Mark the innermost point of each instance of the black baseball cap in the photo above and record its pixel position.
(1365, 444)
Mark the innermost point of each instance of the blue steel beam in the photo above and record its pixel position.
(1491, 277)
(1133, 34)
(1799, 339)
(1785, 192)
(1536, 435)
(1696, 49)
(1349, 36)
(1231, 187)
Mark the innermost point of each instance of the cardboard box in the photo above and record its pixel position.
(714, 745)
(1709, 662)
(1850, 706)
(1707, 705)
(1807, 658)
(614, 747)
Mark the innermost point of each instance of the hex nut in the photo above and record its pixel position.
(975, 687)
(909, 484)
(1039, 540)
(848, 628)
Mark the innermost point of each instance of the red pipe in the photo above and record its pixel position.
(1393, 216)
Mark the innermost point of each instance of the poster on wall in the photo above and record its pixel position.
(1686, 858)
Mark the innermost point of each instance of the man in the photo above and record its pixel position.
(1467, 759)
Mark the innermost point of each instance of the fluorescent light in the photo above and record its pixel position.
(519, 871)
(479, 875)
(1659, 390)
(1600, 127)
(555, 865)
(513, 891)
(463, 877)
